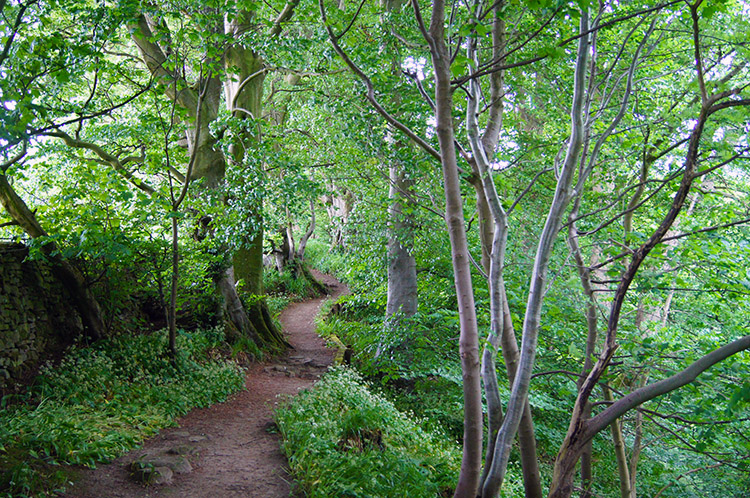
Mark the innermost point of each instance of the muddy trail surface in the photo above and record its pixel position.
(227, 450)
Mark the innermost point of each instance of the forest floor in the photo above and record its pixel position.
(231, 448)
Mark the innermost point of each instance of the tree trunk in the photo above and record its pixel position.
(493, 229)
(248, 270)
(402, 268)
(520, 388)
(338, 206)
(484, 219)
(237, 317)
(210, 162)
(623, 470)
(468, 480)
(509, 346)
(564, 472)
(243, 92)
(532, 480)
(308, 234)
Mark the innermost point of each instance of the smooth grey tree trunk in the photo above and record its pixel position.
(402, 267)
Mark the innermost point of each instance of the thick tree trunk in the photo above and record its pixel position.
(564, 472)
(248, 270)
(237, 317)
(402, 268)
(210, 162)
(71, 278)
(243, 92)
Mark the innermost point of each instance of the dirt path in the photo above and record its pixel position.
(228, 445)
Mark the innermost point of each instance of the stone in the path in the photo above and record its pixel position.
(183, 449)
(159, 469)
(152, 475)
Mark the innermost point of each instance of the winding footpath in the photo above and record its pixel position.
(230, 447)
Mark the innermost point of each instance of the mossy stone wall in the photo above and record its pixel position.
(36, 314)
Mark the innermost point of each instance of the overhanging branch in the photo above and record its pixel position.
(656, 389)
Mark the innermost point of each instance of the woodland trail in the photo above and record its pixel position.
(229, 446)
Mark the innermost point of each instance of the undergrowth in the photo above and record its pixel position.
(283, 288)
(333, 262)
(414, 368)
(343, 440)
(102, 401)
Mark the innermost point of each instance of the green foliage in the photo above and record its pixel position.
(414, 361)
(285, 287)
(332, 262)
(343, 440)
(103, 400)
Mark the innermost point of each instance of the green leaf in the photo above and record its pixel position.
(709, 10)
(459, 65)
(573, 351)
(554, 52)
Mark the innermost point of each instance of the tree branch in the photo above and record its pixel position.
(371, 90)
(14, 30)
(656, 389)
(10, 162)
(285, 14)
(106, 156)
(154, 57)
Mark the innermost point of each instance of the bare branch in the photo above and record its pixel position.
(656, 389)
(105, 156)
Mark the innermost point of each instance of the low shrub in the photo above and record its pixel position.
(103, 400)
(342, 440)
(322, 258)
(288, 286)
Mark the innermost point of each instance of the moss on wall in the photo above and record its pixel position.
(36, 314)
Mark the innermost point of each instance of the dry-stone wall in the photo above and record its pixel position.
(36, 313)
